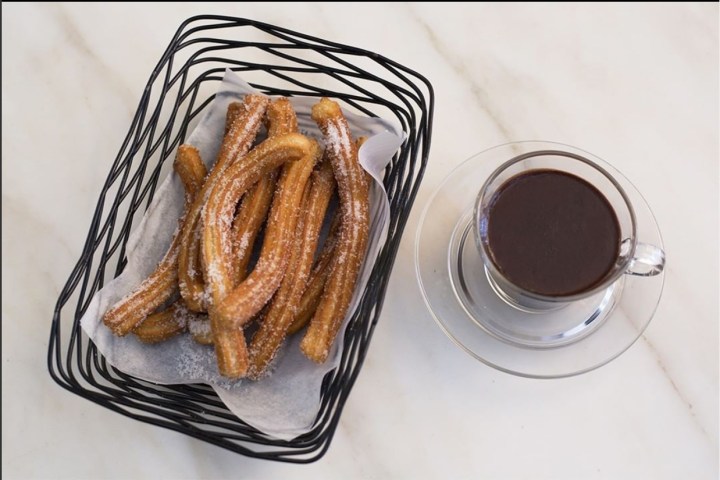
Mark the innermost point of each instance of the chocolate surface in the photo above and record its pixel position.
(552, 233)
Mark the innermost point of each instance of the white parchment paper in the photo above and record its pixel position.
(286, 403)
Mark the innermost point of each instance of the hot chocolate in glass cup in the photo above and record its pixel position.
(539, 259)
(553, 228)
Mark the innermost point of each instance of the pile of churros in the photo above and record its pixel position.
(283, 187)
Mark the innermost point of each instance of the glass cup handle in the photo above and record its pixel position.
(648, 261)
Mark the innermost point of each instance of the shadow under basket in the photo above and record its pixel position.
(181, 87)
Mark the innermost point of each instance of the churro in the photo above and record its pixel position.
(167, 323)
(191, 170)
(164, 325)
(316, 282)
(233, 112)
(273, 329)
(281, 119)
(235, 145)
(250, 218)
(231, 308)
(242, 303)
(162, 284)
(354, 228)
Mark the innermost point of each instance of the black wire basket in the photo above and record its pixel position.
(180, 88)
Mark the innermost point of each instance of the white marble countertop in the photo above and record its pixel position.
(634, 84)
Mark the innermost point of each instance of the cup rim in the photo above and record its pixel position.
(610, 279)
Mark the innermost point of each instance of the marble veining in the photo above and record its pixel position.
(76, 40)
(635, 84)
(479, 93)
(682, 396)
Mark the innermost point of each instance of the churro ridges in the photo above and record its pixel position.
(274, 326)
(253, 209)
(350, 250)
(236, 144)
(231, 308)
(316, 282)
(248, 222)
(218, 213)
(240, 305)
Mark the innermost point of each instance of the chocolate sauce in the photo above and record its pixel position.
(552, 233)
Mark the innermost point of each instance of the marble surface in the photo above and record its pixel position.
(634, 84)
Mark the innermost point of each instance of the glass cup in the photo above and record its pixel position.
(634, 258)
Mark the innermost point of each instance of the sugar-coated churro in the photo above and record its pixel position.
(243, 302)
(191, 170)
(316, 282)
(250, 218)
(350, 250)
(237, 142)
(171, 321)
(253, 209)
(233, 112)
(273, 328)
(232, 307)
(160, 286)
(166, 324)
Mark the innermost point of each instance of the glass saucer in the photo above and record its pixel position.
(572, 339)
